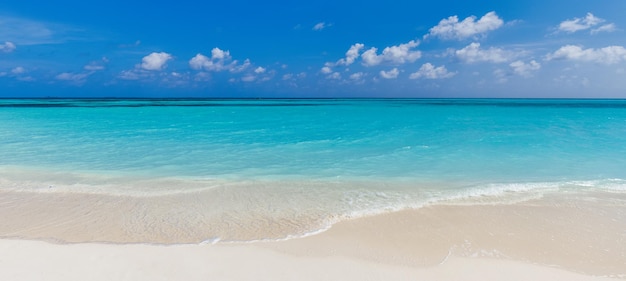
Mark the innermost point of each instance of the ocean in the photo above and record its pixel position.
(248, 170)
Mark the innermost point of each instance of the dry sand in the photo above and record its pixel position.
(36, 260)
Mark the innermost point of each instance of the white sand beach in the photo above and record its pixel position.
(561, 238)
(35, 260)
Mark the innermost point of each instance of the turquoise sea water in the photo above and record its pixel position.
(323, 158)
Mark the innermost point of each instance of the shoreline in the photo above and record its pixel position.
(586, 237)
(558, 235)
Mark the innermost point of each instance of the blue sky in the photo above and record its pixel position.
(317, 49)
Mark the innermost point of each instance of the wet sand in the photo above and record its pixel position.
(587, 236)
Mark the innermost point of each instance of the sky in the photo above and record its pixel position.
(325, 49)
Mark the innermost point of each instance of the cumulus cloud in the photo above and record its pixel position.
(220, 60)
(321, 25)
(357, 76)
(588, 22)
(395, 54)
(129, 75)
(200, 61)
(326, 70)
(606, 55)
(164, 78)
(155, 61)
(260, 74)
(473, 53)
(399, 54)
(235, 67)
(351, 55)
(259, 70)
(452, 28)
(429, 71)
(220, 54)
(525, 69)
(7, 47)
(391, 74)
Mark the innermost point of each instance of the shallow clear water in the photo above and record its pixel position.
(475, 140)
(327, 157)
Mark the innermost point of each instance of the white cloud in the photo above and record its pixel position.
(72, 77)
(451, 28)
(395, 54)
(155, 61)
(292, 76)
(321, 25)
(351, 55)
(589, 21)
(164, 78)
(370, 58)
(18, 73)
(18, 70)
(525, 69)
(326, 70)
(220, 60)
(129, 75)
(260, 74)
(606, 55)
(202, 76)
(220, 54)
(391, 74)
(238, 68)
(399, 54)
(429, 71)
(200, 61)
(7, 47)
(473, 53)
(334, 76)
(357, 76)
(96, 65)
(610, 27)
